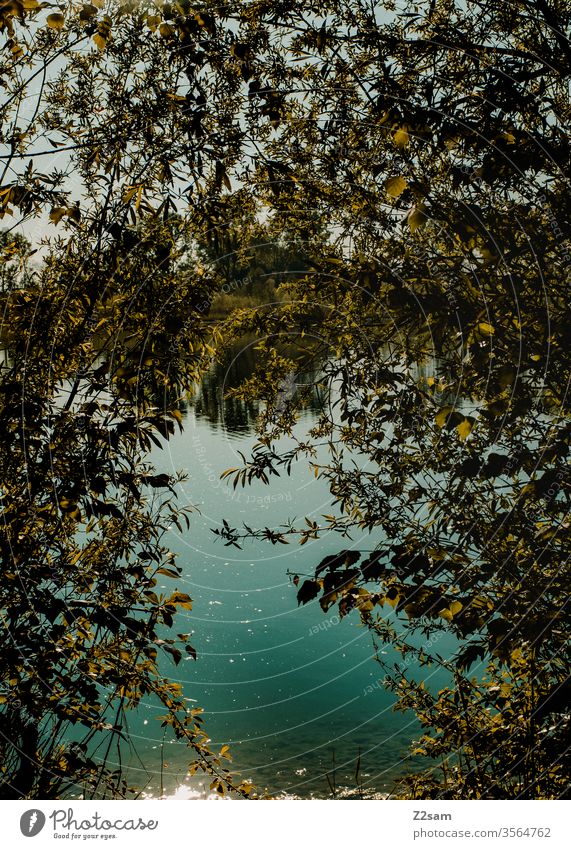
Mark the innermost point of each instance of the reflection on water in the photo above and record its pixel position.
(214, 402)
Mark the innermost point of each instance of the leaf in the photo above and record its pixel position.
(56, 20)
(395, 186)
(470, 655)
(157, 481)
(181, 600)
(392, 596)
(170, 573)
(87, 12)
(506, 376)
(308, 591)
(416, 218)
(153, 21)
(99, 41)
(485, 329)
(401, 138)
(175, 653)
(74, 213)
(441, 416)
(177, 415)
(488, 256)
(57, 214)
(373, 568)
(130, 193)
(465, 427)
(455, 607)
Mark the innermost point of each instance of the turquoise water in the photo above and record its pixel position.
(296, 693)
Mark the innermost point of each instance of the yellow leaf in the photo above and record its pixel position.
(55, 21)
(465, 427)
(455, 607)
(446, 614)
(395, 186)
(57, 214)
(153, 22)
(181, 600)
(485, 329)
(401, 137)
(416, 218)
(392, 601)
(99, 41)
(442, 415)
(130, 193)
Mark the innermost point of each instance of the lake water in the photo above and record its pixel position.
(296, 693)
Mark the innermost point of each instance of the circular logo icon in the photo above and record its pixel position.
(32, 822)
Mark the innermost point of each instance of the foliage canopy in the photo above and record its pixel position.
(429, 143)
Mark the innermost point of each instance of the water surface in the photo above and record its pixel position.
(296, 693)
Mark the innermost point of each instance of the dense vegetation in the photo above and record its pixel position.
(100, 151)
(414, 163)
(434, 149)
